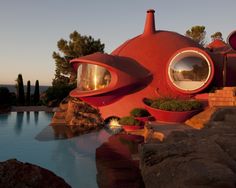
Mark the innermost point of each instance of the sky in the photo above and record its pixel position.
(30, 29)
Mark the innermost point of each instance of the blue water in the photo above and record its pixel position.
(21, 137)
(12, 88)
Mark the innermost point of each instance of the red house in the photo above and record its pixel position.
(156, 63)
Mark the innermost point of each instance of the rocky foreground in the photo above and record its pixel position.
(78, 116)
(15, 174)
(194, 158)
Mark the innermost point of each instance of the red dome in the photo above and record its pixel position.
(154, 52)
(153, 64)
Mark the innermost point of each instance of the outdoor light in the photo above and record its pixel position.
(114, 123)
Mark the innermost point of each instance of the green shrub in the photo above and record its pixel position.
(176, 104)
(139, 112)
(20, 90)
(172, 106)
(36, 93)
(5, 96)
(57, 93)
(147, 101)
(129, 120)
(157, 102)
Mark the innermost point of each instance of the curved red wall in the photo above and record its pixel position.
(147, 54)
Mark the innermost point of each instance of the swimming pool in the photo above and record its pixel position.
(28, 138)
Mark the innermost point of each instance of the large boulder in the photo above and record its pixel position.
(15, 174)
(194, 158)
(81, 117)
(78, 116)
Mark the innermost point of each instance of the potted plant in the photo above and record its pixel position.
(141, 114)
(172, 110)
(129, 123)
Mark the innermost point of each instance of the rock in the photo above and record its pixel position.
(78, 116)
(15, 174)
(193, 158)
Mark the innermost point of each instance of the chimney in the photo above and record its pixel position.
(150, 23)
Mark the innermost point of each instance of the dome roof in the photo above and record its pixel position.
(157, 47)
(154, 52)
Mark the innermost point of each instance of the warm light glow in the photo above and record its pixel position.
(114, 123)
(92, 77)
(95, 78)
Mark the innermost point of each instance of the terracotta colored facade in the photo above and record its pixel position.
(154, 64)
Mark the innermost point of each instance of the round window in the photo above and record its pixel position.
(232, 40)
(189, 70)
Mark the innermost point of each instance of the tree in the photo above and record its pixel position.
(36, 93)
(20, 90)
(217, 35)
(197, 33)
(77, 46)
(28, 93)
(55, 94)
(5, 96)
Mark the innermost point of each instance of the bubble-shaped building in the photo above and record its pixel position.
(153, 64)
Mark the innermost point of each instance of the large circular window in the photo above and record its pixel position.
(92, 77)
(189, 70)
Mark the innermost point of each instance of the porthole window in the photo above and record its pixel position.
(189, 70)
(92, 77)
(232, 40)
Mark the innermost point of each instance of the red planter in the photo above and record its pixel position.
(132, 127)
(171, 116)
(145, 119)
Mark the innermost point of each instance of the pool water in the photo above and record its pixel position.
(82, 161)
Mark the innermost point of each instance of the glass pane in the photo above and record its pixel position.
(189, 71)
(92, 77)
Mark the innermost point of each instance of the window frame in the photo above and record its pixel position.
(190, 51)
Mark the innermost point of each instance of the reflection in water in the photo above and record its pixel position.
(36, 117)
(115, 166)
(56, 132)
(27, 117)
(19, 122)
(76, 158)
(4, 119)
(72, 159)
(114, 163)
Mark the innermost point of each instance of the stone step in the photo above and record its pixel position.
(230, 118)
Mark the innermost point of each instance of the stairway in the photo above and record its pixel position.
(223, 97)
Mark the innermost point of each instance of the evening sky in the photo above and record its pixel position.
(30, 29)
